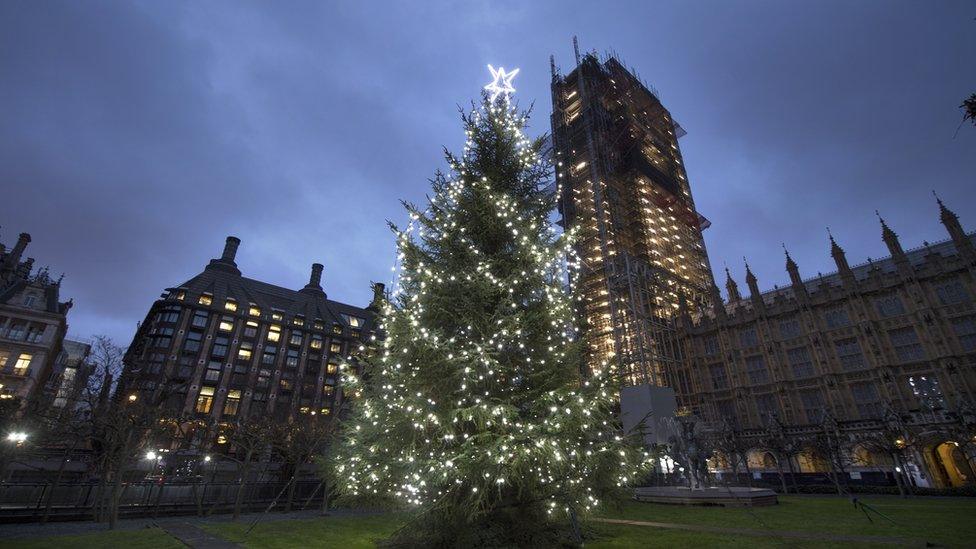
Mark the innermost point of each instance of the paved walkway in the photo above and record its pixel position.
(191, 536)
(771, 533)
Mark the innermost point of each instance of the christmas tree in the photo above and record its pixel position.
(473, 408)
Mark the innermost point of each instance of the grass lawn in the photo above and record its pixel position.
(344, 532)
(944, 521)
(149, 538)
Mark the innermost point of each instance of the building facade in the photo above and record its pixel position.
(222, 346)
(622, 184)
(70, 375)
(33, 323)
(890, 340)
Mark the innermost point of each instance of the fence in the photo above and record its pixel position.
(25, 502)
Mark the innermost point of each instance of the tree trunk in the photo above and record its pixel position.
(159, 495)
(325, 497)
(782, 477)
(57, 483)
(114, 500)
(245, 472)
(905, 477)
(789, 461)
(98, 503)
(748, 472)
(834, 476)
(291, 491)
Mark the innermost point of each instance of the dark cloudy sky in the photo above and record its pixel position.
(136, 135)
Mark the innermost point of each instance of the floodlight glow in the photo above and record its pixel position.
(17, 437)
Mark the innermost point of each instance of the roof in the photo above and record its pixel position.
(223, 280)
(916, 256)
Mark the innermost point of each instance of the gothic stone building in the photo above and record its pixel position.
(225, 346)
(33, 322)
(894, 337)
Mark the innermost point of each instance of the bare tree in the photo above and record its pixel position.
(733, 447)
(892, 440)
(301, 443)
(784, 447)
(247, 439)
(833, 448)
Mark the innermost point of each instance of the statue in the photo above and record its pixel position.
(687, 443)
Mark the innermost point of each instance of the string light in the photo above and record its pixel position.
(463, 402)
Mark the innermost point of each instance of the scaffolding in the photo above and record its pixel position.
(623, 184)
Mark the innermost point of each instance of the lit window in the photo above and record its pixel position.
(318, 325)
(178, 294)
(23, 362)
(326, 411)
(250, 328)
(330, 368)
(316, 342)
(206, 299)
(298, 321)
(244, 352)
(254, 310)
(230, 305)
(337, 329)
(4, 357)
(226, 324)
(205, 400)
(352, 321)
(276, 315)
(335, 348)
(233, 402)
(274, 332)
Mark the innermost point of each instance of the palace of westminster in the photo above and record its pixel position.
(890, 338)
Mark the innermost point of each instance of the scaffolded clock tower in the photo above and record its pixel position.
(622, 182)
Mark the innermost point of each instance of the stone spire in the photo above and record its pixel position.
(843, 268)
(754, 293)
(799, 288)
(794, 271)
(732, 287)
(891, 240)
(959, 237)
(718, 307)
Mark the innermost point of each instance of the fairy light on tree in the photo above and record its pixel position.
(472, 408)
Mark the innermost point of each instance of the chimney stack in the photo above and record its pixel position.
(314, 285)
(226, 261)
(316, 278)
(230, 249)
(14, 258)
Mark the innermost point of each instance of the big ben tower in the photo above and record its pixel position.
(623, 185)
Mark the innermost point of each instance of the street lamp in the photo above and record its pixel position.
(17, 437)
(151, 455)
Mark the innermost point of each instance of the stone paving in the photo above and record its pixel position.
(192, 536)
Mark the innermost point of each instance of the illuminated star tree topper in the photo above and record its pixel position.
(502, 82)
